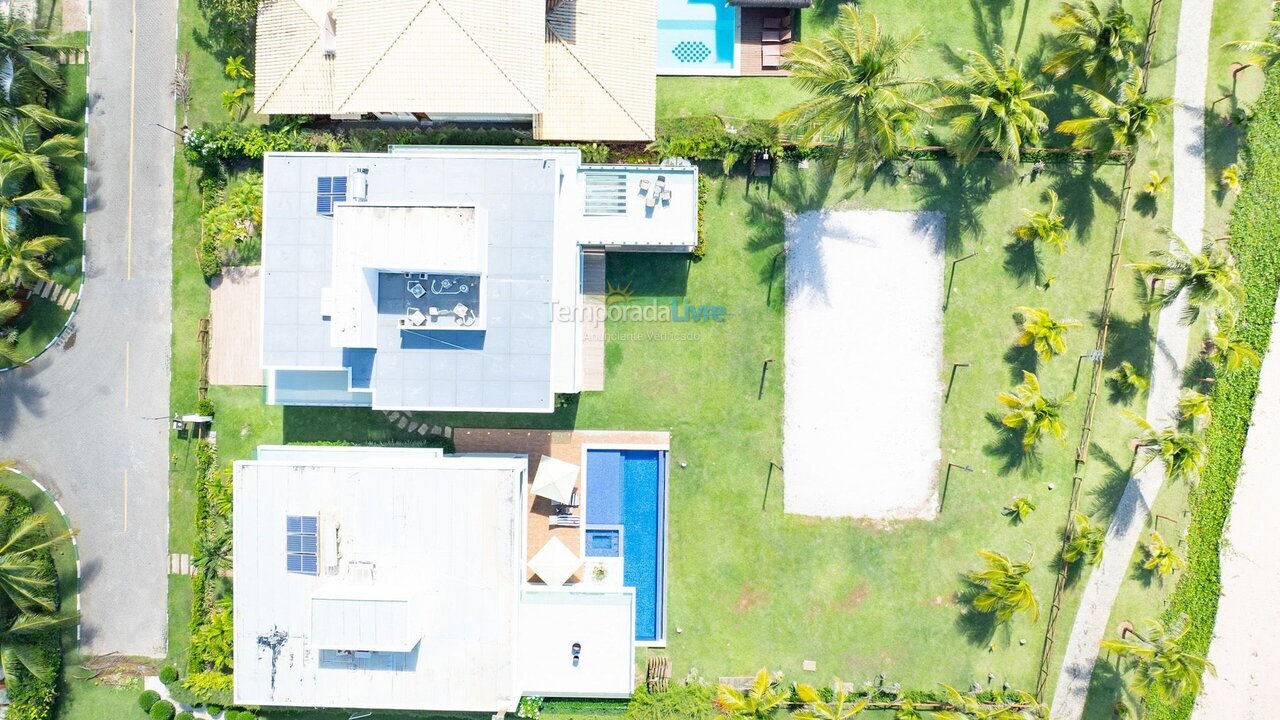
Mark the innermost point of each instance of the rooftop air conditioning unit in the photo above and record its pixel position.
(359, 185)
(329, 35)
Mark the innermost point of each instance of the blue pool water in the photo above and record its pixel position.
(696, 37)
(627, 488)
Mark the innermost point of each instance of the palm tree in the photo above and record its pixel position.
(1162, 668)
(22, 259)
(20, 143)
(861, 100)
(1161, 558)
(1097, 43)
(761, 701)
(24, 579)
(1019, 509)
(1227, 350)
(1195, 406)
(1032, 411)
(1156, 184)
(1086, 541)
(1117, 124)
(212, 552)
(1262, 52)
(1210, 278)
(1044, 333)
(1127, 380)
(1049, 227)
(993, 103)
(1182, 452)
(818, 709)
(16, 200)
(9, 310)
(1004, 587)
(1230, 178)
(19, 644)
(24, 48)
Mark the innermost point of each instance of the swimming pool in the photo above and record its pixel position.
(626, 498)
(697, 37)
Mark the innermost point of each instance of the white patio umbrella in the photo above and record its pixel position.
(555, 563)
(555, 480)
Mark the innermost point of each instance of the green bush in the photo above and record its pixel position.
(231, 226)
(710, 138)
(1254, 231)
(147, 699)
(185, 715)
(704, 189)
(204, 406)
(168, 674)
(162, 710)
(213, 709)
(213, 145)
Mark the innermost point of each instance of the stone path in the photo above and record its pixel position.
(64, 298)
(405, 421)
(1171, 349)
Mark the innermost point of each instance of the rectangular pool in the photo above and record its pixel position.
(627, 489)
(697, 37)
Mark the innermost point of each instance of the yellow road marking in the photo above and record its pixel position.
(133, 74)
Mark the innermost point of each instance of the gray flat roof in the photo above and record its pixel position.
(506, 366)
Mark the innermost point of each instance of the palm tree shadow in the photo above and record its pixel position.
(1021, 358)
(1146, 204)
(959, 192)
(988, 22)
(768, 204)
(1079, 189)
(1006, 447)
(1022, 261)
(977, 627)
(1105, 496)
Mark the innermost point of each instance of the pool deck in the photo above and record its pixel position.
(564, 445)
(750, 34)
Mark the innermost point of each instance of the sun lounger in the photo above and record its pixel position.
(776, 22)
(644, 186)
(564, 521)
(776, 36)
(770, 57)
(652, 200)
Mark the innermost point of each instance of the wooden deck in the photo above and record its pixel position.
(750, 34)
(235, 307)
(562, 445)
(593, 292)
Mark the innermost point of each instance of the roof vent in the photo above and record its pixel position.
(329, 35)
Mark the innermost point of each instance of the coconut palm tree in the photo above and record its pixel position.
(1117, 124)
(761, 701)
(1100, 44)
(1030, 410)
(1041, 331)
(212, 552)
(1004, 588)
(1019, 509)
(1210, 278)
(1048, 227)
(22, 258)
(1156, 184)
(1162, 667)
(1261, 52)
(29, 583)
(24, 49)
(1126, 379)
(993, 103)
(21, 143)
(839, 708)
(1161, 558)
(1195, 406)
(19, 648)
(1230, 177)
(1086, 542)
(861, 100)
(9, 310)
(16, 200)
(1227, 350)
(1182, 452)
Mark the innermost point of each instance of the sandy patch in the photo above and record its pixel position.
(863, 364)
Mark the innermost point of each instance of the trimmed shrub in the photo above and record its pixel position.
(1254, 229)
(213, 709)
(162, 710)
(184, 715)
(168, 674)
(147, 699)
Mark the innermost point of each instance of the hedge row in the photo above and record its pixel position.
(1255, 240)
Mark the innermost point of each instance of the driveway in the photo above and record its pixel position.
(81, 418)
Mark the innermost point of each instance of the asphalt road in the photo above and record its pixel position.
(82, 417)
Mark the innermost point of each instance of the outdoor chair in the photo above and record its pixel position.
(567, 508)
(652, 200)
(644, 186)
(776, 22)
(770, 57)
(776, 36)
(666, 197)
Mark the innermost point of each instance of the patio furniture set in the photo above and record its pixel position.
(414, 317)
(655, 192)
(557, 481)
(775, 35)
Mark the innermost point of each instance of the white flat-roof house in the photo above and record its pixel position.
(451, 278)
(391, 578)
(570, 69)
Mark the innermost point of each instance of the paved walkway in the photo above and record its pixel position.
(1171, 349)
(81, 418)
(1244, 649)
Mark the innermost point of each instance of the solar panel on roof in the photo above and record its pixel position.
(330, 189)
(300, 544)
